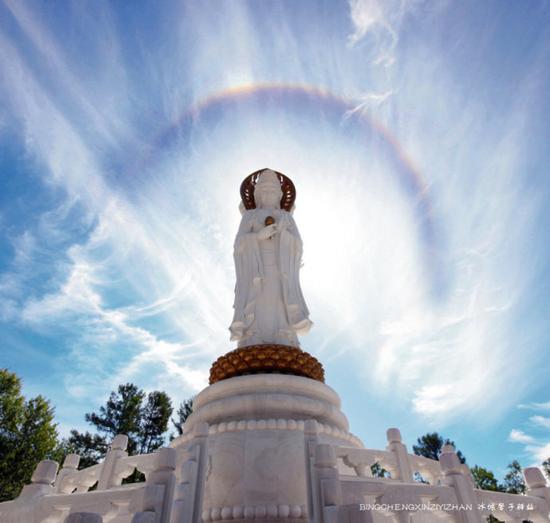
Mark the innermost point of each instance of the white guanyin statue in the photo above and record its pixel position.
(269, 305)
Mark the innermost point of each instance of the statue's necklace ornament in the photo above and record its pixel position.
(269, 308)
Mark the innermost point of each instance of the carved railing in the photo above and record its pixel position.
(450, 495)
(361, 460)
(341, 487)
(395, 460)
(52, 497)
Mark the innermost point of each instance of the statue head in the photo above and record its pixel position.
(267, 191)
(269, 181)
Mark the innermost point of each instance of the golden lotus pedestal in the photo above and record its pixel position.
(267, 358)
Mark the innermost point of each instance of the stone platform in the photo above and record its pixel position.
(256, 455)
(267, 448)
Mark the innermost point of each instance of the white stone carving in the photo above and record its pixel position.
(264, 462)
(269, 306)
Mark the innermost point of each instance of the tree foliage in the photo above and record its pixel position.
(514, 483)
(154, 421)
(378, 471)
(27, 434)
(128, 410)
(90, 447)
(430, 446)
(121, 414)
(546, 467)
(484, 479)
(184, 411)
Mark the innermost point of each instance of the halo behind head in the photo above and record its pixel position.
(287, 188)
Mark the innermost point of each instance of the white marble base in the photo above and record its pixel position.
(256, 451)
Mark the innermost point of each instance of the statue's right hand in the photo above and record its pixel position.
(267, 232)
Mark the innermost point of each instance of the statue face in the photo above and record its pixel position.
(268, 197)
(267, 192)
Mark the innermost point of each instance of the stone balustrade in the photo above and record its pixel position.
(449, 494)
(394, 459)
(66, 496)
(340, 485)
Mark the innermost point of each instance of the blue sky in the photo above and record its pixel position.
(417, 135)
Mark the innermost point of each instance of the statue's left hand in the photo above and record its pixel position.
(267, 232)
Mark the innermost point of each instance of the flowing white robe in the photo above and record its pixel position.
(269, 305)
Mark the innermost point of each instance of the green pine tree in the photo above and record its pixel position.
(90, 447)
(155, 416)
(378, 471)
(184, 411)
(27, 435)
(122, 414)
(128, 410)
(484, 479)
(513, 480)
(430, 446)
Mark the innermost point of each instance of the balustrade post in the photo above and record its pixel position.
(536, 484)
(468, 475)
(117, 450)
(329, 486)
(400, 453)
(164, 474)
(188, 494)
(200, 438)
(146, 504)
(41, 481)
(70, 466)
(311, 440)
(454, 477)
(182, 510)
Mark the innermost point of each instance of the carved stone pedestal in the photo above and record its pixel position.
(256, 448)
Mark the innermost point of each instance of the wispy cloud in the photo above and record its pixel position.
(96, 111)
(540, 421)
(535, 406)
(57, 142)
(139, 236)
(381, 21)
(536, 444)
(540, 453)
(517, 436)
